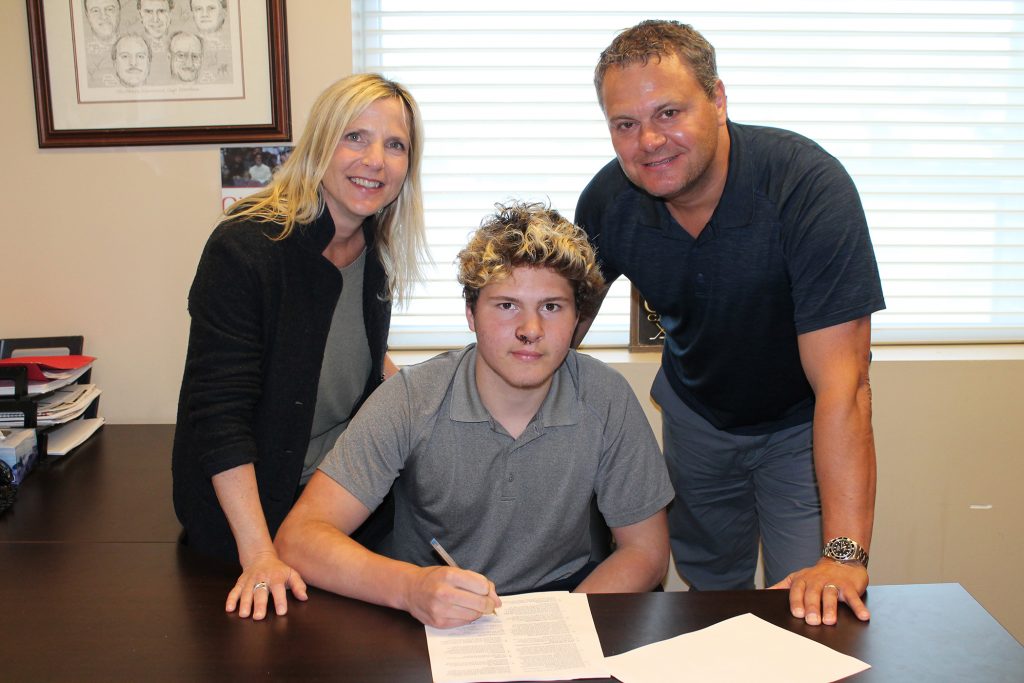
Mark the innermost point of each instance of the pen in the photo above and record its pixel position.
(444, 554)
(448, 560)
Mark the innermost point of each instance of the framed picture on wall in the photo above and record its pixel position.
(154, 72)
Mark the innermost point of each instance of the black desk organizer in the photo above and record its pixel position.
(27, 404)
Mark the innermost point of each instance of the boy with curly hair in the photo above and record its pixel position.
(496, 450)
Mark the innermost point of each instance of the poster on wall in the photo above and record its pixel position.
(244, 170)
(154, 52)
(120, 72)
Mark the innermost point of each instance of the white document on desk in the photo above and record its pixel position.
(744, 648)
(70, 435)
(534, 637)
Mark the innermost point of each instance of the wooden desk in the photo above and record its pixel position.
(116, 487)
(105, 603)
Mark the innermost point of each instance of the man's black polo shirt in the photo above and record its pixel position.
(787, 251)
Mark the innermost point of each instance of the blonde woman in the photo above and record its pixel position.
(290, 310)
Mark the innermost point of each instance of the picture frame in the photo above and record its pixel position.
(154, 72)
(645, 330)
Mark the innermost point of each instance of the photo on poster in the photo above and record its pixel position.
(244, 170)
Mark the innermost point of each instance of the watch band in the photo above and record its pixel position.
(843, 549)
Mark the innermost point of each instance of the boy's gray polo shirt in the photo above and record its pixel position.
(515, 510)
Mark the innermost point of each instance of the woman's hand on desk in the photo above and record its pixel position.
(263, 573)
(263, 577)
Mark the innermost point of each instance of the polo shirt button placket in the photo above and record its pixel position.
(508, 484)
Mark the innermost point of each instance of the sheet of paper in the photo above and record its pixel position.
(534, 637)
(71, 435)
(744, 648)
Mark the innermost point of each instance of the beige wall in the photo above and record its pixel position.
(104, 242)
(950, 445)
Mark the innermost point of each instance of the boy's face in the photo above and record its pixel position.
(524, 326)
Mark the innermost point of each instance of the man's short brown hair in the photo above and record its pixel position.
(660, 38)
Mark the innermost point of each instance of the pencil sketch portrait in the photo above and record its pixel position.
(186, 54)
(156, 49)
(132, 57)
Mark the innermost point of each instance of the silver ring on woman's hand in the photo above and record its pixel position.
(830, 585)
(263, 585)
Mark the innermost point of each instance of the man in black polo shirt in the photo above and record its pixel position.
(752, 245)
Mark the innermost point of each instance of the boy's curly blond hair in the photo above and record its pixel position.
(525, 234)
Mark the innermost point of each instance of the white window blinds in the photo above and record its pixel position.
(922, 101)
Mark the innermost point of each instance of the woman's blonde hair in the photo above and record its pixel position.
(293, 197)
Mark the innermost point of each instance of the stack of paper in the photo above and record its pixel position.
(59, 397)
(60, 406)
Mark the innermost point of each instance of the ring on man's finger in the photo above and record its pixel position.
(261, 584)
(830, 585)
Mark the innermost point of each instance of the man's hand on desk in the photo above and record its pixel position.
(264, 576)
(446, 597)
(815, 592)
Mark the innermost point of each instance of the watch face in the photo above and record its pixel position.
(841, 548)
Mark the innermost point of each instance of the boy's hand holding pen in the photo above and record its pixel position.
(492, 595)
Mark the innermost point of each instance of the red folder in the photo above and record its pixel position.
(38, 366)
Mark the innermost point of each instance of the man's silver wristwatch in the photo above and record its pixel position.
(843, 549)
